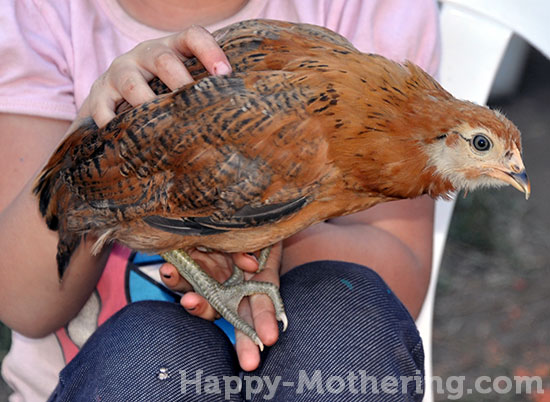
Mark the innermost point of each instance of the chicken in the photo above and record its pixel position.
(306, 128)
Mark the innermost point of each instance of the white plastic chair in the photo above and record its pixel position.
(474, 36)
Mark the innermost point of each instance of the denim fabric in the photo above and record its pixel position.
(349, 339)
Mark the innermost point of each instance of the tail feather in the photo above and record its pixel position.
(54, 196)
(48, 184)
(44, 189)
(65, 249)
(49, 188)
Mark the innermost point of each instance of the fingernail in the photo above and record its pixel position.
(191, 308)
(221, 68)
(253, 256)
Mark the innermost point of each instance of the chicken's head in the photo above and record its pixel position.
(483, 150)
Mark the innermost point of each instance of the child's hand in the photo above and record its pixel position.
(127, 77)
(257, 310)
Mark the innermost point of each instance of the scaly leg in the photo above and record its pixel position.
(226, 298)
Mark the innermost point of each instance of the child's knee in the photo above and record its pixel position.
(345, 282)
(348, 298)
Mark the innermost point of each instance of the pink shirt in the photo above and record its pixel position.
(52, 51)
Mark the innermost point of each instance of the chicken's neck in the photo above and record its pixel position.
(389, 154)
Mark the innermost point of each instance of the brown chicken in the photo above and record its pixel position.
(305, 128)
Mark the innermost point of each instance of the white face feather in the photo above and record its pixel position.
(457, 159)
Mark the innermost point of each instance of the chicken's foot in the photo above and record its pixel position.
(238, 276)
(225, 298)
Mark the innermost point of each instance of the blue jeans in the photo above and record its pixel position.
(349, 338)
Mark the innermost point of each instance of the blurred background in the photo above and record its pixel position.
(492, 304)
(491, 312)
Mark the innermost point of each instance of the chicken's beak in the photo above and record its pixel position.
(521, 182)
(514, 173)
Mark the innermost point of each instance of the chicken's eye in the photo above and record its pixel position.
(481, 143)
